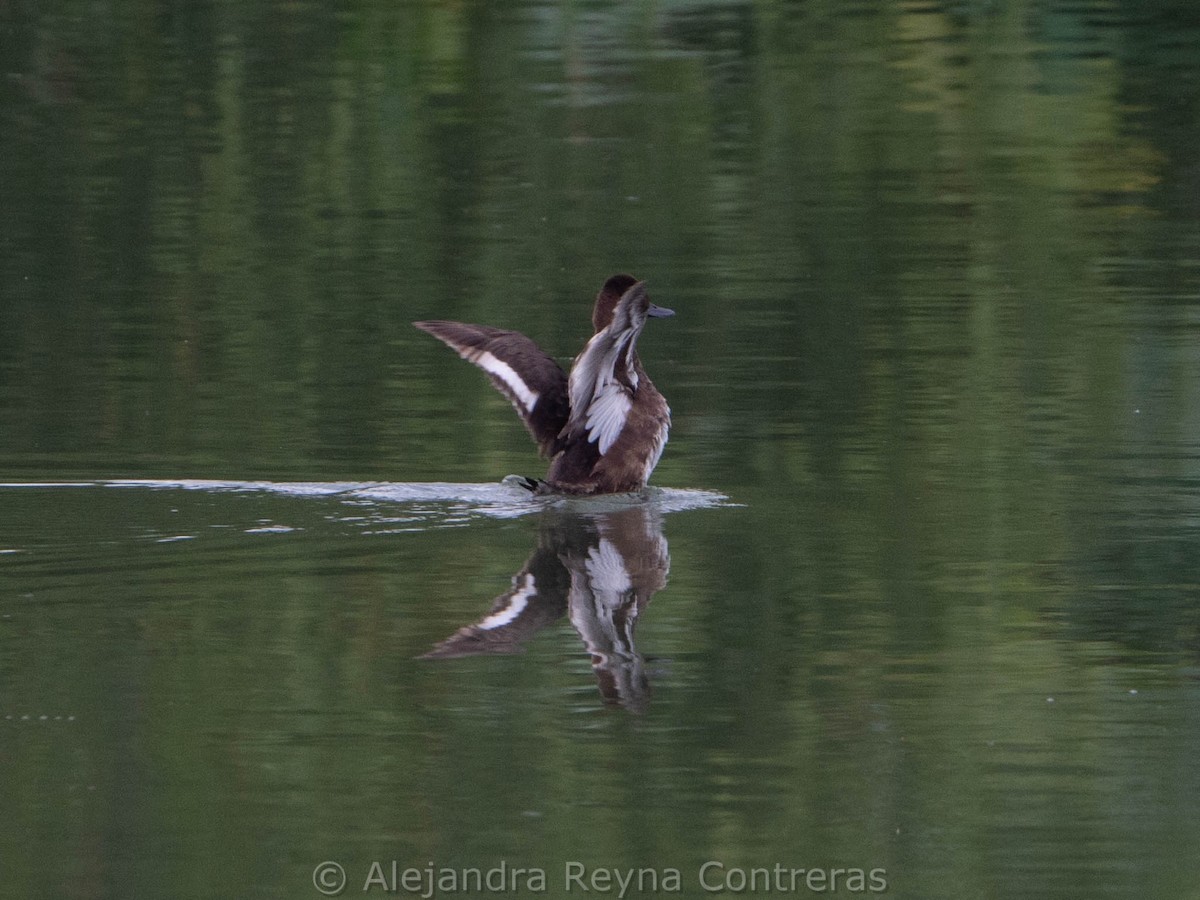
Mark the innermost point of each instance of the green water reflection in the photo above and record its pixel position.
(936, 269)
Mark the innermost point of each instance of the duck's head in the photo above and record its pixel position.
(621, 289)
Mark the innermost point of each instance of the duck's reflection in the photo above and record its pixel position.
(599, 568)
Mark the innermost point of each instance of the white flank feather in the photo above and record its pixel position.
(656, 452)
(606, 415)
(610, 579)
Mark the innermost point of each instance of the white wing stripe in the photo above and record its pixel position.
(516, 605)
(527, 397)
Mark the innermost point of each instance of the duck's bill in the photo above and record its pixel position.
(659, 312)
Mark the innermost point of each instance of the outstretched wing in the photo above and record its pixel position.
(522, 371)
(604, 376)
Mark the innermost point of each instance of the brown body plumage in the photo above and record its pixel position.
(605, 425)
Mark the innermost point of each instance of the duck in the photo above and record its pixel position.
(603, 426)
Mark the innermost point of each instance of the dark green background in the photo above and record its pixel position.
(937, 275)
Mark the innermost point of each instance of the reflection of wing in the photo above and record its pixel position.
(612, 580)
(602, 569)
(537, 598)
(604, 610)
(522, 371)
